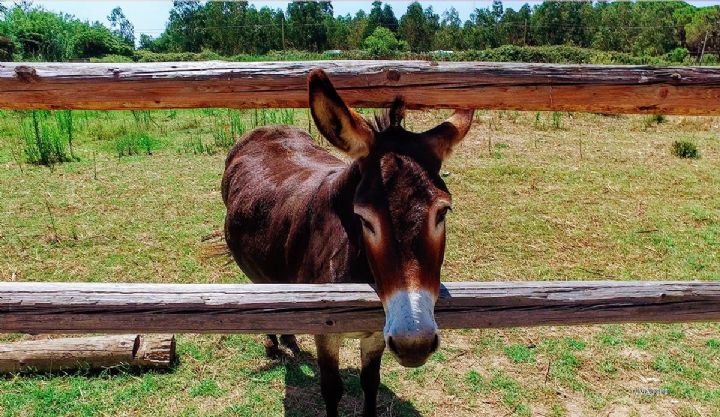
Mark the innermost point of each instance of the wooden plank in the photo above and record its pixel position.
(424, 84)
(50, 355)
(316, 309)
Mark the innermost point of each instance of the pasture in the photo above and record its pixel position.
(536, 196)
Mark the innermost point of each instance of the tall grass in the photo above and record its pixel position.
(135, 143)
(143, 119)
(64, 120)
(280, 116)
(228, 129)
(44, 141)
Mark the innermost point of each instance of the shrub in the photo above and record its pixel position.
(685, 149)
(97, 40)
(382, 43)
(112, 59)
(678, 55)
(710, 59)
(655, 119)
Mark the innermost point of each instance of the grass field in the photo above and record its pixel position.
(536, 197)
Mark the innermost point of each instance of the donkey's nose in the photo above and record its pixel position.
(413, 350)
(410, 329)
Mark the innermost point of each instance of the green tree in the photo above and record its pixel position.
(449, 36)
(306, 24)
(339, 30)
(418, 27)
(703, 32)
(514, 26)
(186, 27)
(563, 23)
(381, 17)
(121, 26)
(356, 30)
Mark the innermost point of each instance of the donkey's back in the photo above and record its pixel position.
(281, 225)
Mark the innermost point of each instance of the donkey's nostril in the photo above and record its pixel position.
(391, 345)
(435, 344)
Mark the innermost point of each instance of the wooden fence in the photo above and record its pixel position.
(424, 84)
(317, 309)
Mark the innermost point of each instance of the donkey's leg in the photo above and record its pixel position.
(271, 346)
(371, 350)
(289, 341)
(331, 385)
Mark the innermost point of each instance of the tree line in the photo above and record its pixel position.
(232, 28)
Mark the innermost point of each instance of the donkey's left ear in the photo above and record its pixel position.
(449, 133)
(342, 126)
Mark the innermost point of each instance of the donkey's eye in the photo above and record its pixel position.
(441, 213)
(367, 225)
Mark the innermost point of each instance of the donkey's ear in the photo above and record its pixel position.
(342, 126)
(449, 133)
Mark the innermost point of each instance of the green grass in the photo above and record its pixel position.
(520, 353)
(627, 209)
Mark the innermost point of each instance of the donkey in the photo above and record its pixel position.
(297, 214)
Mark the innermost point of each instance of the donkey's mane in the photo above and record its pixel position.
(387, 118)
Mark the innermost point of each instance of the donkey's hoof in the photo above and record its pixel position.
(273, 352)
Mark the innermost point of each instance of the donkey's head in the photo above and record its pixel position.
(400, 205)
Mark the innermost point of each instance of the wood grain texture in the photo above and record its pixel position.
(318, 309)
(424, 84)
(148, 351)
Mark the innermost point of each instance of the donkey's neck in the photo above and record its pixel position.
(340, 193)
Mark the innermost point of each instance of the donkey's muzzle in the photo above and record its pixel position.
(411, 333)
(413, 351)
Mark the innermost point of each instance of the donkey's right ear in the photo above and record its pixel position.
(342, 126)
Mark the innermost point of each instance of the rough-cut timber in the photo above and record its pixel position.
(306, 308)
(49, 355)
(424, 84)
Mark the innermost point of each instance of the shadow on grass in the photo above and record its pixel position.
(303, 397)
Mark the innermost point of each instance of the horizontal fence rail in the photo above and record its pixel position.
(318, 309)
(424, 84)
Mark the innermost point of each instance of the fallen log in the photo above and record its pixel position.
(51, 355)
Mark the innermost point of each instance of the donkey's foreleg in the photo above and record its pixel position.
(331, 385)
(290, 342)
(371, 350)
(272, 350)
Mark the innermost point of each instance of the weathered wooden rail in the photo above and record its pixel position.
(513, 86)
(197, 308)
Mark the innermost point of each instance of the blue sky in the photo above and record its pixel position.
(150, 16)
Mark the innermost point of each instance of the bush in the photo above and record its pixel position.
(112, 59)
(655, 119)
(710, 59)
(685, 149)
(382, 43)
(97, 40)
(678, 55)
